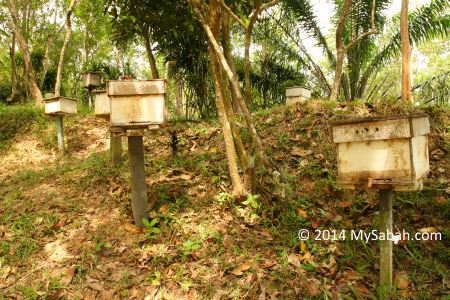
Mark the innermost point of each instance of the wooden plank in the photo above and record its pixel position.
(115, 147)
(137, 110)
(385, 197)
(420, 126)
(136, 87)
(138, 184)
(59, 125)
(372, 131)
(384, 159)
(102, 104)
(419, 150)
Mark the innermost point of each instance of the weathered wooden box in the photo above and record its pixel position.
(91, 79)
(383, 152)
(137, 103)
(102, 104)
(297, 94)
(60, 106)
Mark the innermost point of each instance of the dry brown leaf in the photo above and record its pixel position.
(294, 260)
(268, 264)
(428, 229)
(164, 209)
(344, 204)
(68, 276)
(56, 295)
(361, 288)
(131, 228)
(300, 152)
(402, 281)
(96, 286)
(239, 271)
(441, 199)
(312, 286)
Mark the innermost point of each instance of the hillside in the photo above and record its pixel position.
(66, 223)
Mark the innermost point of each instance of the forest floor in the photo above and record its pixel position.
(66, 228)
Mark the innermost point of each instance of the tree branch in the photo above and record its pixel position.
(363, 35)
(232, 14)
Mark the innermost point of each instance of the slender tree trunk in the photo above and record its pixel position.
(342, 49)
(235, 84)
(178, 97)
(28, 67)
(150, 56)
(406, 54)
(12, 54)
(238, 186)
(228, 56)
(46, 59)
(64, 48)
(338, 74)
(248, 42)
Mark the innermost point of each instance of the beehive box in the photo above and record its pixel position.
(383, 152)
(137, 103)
(102, 104)
(91, 79)
(60, 106)
(297, 94)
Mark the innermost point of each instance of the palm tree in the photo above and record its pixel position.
(369, 54)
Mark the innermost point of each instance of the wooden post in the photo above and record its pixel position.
(115, 147)
(138, 185)
(385, 198)
(59, 125)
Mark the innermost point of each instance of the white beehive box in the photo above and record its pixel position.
(297, 94)
(383, 152)
(102, 104)
(60, 106)
(137, 103)
(91, 79)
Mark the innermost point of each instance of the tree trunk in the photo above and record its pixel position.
(150, 56)
(46, 59)
(248, 42)
(238, 186)
(235, 84)
(178, 97)
(64, 48)
(406, 54)
(338, 74)
(12, 54)
(228, 56)
(28, 67)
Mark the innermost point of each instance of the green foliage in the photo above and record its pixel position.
(151, 229)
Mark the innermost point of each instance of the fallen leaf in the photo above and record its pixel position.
(239, 271)
(312, 286)
(428, 229)
(301, 213)
(302, 247)
(402, 281)
(56, 295)
(294, 260)
(268, 264)
(131, 228)
(96, 286)
(361, 288)
(186, 212)
(441, 199)
(344, 204)
(164, 209)
(300, 152)
(68, 276)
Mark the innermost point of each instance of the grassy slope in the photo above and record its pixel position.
(65, 223)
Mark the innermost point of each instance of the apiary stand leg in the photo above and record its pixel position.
(59, 125)
(115, 145)
(385, 197)
(138, 185)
